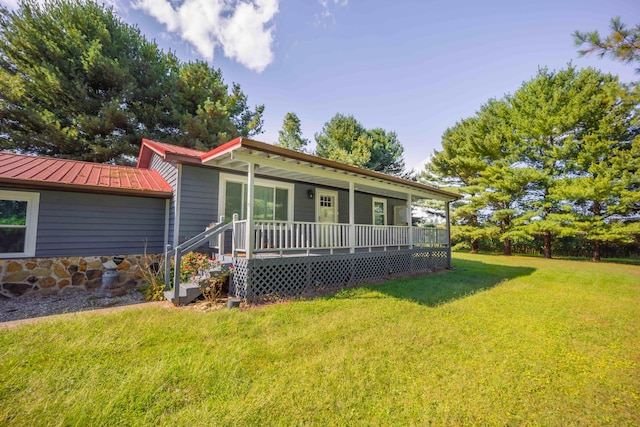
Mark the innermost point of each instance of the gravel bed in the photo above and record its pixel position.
(67, 302)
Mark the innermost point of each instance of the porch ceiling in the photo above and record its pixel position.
(286, 164)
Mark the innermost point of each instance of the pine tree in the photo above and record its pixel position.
(458, 168)
(599, 189)
(622, 44)
(290, 136)
(346, 140)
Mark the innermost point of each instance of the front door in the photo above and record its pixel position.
(326, 212)
(327, 206)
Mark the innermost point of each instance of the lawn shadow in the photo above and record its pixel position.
(467, 278)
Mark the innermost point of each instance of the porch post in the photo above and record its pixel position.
(409, 221)
(221, 241)
(352, 218)
(250, 236)
(234, 236)
(167, 267)
(446, 213)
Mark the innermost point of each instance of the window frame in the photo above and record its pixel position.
(31, 222)
(240, 179)
(375, 200)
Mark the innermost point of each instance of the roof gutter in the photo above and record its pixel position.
(40, 185)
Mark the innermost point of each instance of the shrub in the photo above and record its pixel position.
(216, 282)
(212, 276)
(194, 264)
(152, 287)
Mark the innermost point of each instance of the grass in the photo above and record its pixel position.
(497, 341)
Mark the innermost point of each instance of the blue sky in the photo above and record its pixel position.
(413, 67)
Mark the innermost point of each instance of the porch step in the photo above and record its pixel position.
(225, 259)
(188, 293)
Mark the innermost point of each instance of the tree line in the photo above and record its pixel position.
(558, 158)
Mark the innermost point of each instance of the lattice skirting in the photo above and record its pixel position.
(267, 278)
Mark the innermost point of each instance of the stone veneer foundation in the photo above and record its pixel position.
(29, 276)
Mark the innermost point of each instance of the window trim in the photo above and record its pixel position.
(375, 200)
(31, 223)
(241, 179)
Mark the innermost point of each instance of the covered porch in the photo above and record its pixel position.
(294, 224)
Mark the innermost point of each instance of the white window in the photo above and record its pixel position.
(272, 200)
(18, 223)
(379, 211)
(400, 216)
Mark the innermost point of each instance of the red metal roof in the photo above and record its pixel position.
(167, 151)
(18, 169)
(163, 149)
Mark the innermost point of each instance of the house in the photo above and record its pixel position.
(290, 222)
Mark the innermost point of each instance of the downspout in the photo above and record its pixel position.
(352, 218)
(409, 220)
(446, 212)
(167, 247)
(250, 237)
(167, 212)
(176, 214)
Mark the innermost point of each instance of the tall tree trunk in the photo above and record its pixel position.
(547, 244)
(596, 251)
(507, 247)
(506, 223)
(475, 243)
(597, 211)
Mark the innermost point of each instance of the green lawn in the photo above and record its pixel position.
(497, 341)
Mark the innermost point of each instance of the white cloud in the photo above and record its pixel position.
(325, 17)
(243, 29)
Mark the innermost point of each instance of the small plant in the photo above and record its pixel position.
(194, 264)
(213, 286)
(152, 287)
(212, 276)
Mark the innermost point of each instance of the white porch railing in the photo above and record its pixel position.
(281, 236)
(430, 236)
(371, 236)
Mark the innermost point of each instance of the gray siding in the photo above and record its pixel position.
(304, 208)
(170, 174)
(82, 224)
(364, 214)
(198, 201)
